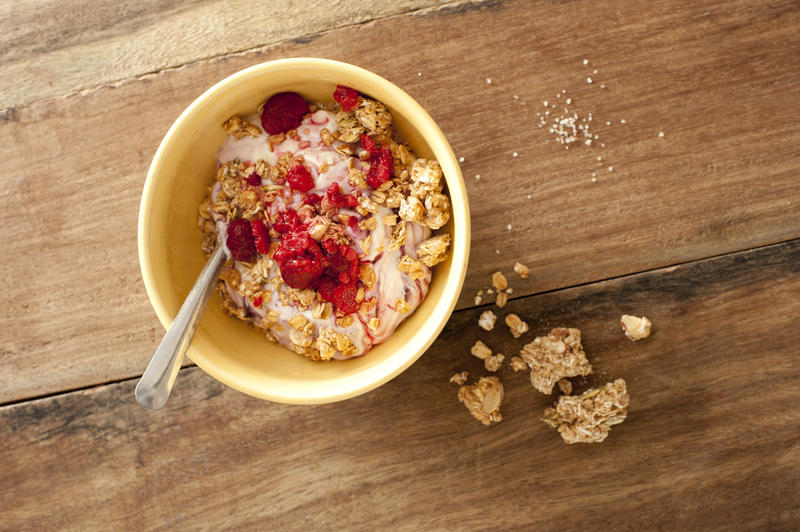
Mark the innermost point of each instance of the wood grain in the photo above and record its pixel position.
(52, 47)
(719, 79)
(712, 440)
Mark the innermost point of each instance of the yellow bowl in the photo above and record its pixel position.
(169, 241)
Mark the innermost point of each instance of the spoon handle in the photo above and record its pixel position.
(156, 383)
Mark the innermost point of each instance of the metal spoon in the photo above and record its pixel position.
(153, 388)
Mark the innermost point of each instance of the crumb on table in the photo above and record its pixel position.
(553, 357)
(588, 418)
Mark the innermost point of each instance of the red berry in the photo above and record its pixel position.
(240, 240)
(381, 167)
(282, 112)
(347, 97)
(338, 199)
(260, 236)
(286, 221)
(253, 179)
(344, 297)
(299, 178)
(367, 143)
(257, 301)
(312, 199)
(301, 272)
(326, 287)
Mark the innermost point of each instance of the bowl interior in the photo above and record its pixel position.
(169, 240)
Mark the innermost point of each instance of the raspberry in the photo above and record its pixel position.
(367, 143)
(347, 97)
(253, 179)
(301, 272)
(240, 240)
(299, 178)
(260, 236)
(286, 221)
(257, 301)
(381, 167)
(312, 199)
(338, 199)
(282, 112)
(344, 297)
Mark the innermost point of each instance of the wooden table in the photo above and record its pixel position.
(698, 229)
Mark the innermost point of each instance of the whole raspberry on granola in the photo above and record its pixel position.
(240, 240)
(300, 178)
(346, 97)
(342, 295)
(282, 112)
(260, 236)
(299, 258)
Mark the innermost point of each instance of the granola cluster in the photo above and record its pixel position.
(553, 357)
(304, 254)
(587, 418)
(483, 399)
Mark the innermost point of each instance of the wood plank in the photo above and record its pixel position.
(50, 47)
(711, 440)
(719, 79)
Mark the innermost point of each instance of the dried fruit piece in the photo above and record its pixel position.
(635, 328)
(253, 179)
(346, 97)
(367, 143)
(260, 236)
(240, 240)
(257, 301)
(588, 418)
(338, 199)
(553, 357)
(282, 112)
(300, 178)
(483, 399)
(381, 167)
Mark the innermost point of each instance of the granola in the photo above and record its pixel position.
(487, 320)
(494, 362)
(635, 328)
(516, 325)
(522, 270)
(588, 418)
(459, 378)
(483, 399)
(328, 219)
(480, 350)
(553, 357)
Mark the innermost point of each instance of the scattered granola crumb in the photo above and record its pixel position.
(461, 159)
(516, 325)
(661, 134)
(494, 362)
(501, 299)
(508, 227)
(487, 320)
(585, 61)
(588, 418)
(515, 154)
(478, 300)
(460, 378)
(522, 270)
(478, 176)
(480, 350)
(588, 80)
(635, 328)
(483, 399)
(499, 281)
(489, 81)
(419, 74)
(517, 364)
(497, 251)
(553, 357)
(565, 386)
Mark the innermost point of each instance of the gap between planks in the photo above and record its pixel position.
(457, 311)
